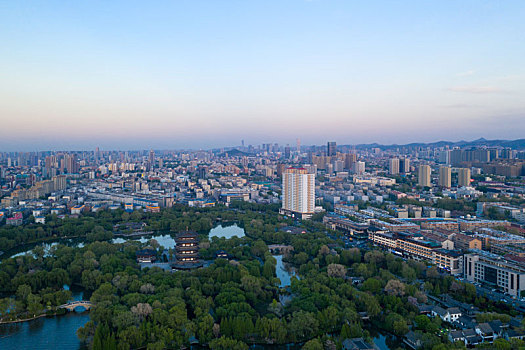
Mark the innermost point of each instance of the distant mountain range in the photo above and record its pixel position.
(235, 153)
(514, 144)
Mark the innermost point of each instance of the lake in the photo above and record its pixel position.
(58, 332)
(284, 273)
(165, 240)
(227, 231)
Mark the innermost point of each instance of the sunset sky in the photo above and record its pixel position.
(202, 74)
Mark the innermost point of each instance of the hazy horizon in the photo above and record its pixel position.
(246, 144)
(208, 74)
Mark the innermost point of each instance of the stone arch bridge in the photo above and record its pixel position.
(79, 303)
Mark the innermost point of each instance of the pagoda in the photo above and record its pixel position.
(187, 251)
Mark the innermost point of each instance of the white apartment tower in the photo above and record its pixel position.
(298, 193)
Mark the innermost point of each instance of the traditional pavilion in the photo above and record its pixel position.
(187, 251)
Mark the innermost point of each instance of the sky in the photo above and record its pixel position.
(202, 74)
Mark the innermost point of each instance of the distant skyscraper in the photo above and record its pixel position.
(298, 145)
(338, 165)
(506, 153)
(152, 158)
(298, 192)
(350, 159)
(287, 152)
(71, 163)
(331, 149)
(463, 177)
(444, 157)
(445, 177)
(393, 166)
(359, 168)
(424, 176)
(404, 165)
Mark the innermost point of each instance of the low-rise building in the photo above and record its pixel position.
(450, 261)
(496, 271)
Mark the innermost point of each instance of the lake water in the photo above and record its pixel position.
(59, 332)
(226, 231)
(27, 249)
(165, 240)
(283, 273)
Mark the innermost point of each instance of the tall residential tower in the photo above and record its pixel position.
(298, 193)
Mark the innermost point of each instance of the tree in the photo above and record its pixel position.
(147, 288)
(372, 285)
(374, 257)
(216, 330)
(350, 256)
(395, 287)
(336, 270)
(142, 310)
(33, 304)
(225, 343)
(314, 344)
(23, 292)
(501, 344)
(432, 272)
(324, 250)
(302, 325)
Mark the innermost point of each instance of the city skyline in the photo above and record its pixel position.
(199, 75)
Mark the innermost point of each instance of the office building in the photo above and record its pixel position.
(495, 271)
(151, 158)
(445, 177)
(463, 177)
(298, 193)
(424, 176)
(393, 166)
(331, 149)
(287, 152)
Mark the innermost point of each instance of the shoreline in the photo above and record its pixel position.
(28, 319)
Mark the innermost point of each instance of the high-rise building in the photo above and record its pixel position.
(404, 165)
(463, 177)
(445, 177)
(359, 168)
(338, 165)
(71, 164)
(152, 158)
(423, 175)
(331, 149)
(287, 152)
(444, 157)
(298, 193)
(393, 166)
(506, 153)
(350, 159)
